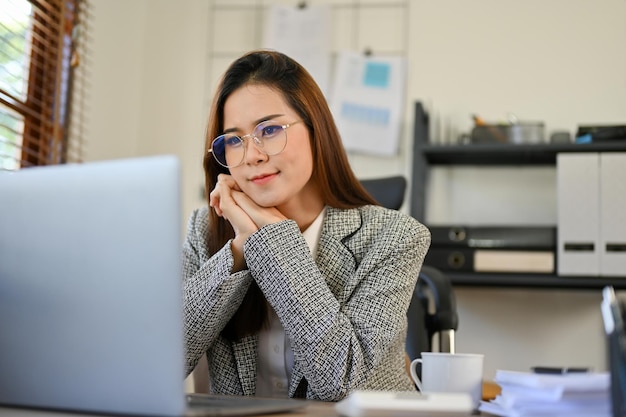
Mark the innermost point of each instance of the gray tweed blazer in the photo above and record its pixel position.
(344, 312)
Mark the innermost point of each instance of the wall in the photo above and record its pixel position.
(148, 87)
(562, 61)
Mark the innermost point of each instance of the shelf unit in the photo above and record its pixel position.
(496, 154)
(548, 281)
(426, 155)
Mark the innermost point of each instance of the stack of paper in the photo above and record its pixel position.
(529, 394)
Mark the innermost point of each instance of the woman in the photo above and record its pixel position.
(296, 282)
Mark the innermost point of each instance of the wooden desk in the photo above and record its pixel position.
(314, 409)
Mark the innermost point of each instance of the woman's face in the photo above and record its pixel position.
(283, 180)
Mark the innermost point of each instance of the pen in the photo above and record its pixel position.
(558, 370)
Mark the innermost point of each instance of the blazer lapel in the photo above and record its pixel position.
(334, 258)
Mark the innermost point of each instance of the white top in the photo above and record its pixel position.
(275, 361)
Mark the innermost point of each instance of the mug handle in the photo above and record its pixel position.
(414, 376)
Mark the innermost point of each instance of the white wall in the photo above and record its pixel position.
(148, 89)
(559, 61)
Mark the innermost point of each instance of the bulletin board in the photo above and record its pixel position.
(372, 26)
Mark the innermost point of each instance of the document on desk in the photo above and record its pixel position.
(569, 382)
(529, 394)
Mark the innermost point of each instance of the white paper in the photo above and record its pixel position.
(367, 102)
(303, 34)
(529, 394)
(548, 410)
(577, 381)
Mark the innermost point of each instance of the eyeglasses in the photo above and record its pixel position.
(270, 137)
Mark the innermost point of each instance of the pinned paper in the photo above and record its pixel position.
(303, 34)
(367, 101)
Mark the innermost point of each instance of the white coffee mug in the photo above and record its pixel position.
(450, 372)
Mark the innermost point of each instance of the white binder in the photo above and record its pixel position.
(613, 214)
(578, 214)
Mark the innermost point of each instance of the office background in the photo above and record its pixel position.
(154, 64)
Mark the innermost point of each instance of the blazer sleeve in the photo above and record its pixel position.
(347, 323)
(211, 294)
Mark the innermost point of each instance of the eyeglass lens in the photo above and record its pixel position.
(230, 150)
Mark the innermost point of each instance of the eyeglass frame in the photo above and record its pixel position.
(257, 142)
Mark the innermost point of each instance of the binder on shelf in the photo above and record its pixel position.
(514, 261)
(491, 260)
(450, 259)
(578, 214)
(510, 237)
(612, 248)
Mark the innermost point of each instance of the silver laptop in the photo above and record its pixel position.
(91, 292)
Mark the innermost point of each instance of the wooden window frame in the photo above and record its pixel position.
(47, 105)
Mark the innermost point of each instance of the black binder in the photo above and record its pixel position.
(494, 237)
(498, 260)
(450, 259)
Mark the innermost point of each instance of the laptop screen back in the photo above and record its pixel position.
(90, 291)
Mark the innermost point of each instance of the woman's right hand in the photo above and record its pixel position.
(224, 204)
(223, 201)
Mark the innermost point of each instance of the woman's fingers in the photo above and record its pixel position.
(236, 215)
(227, 180)
(261, 216)
(241, 211)
(214, 201)
(225, 183)
(222, 201)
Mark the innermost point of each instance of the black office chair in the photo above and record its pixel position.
(432, 312)
(387, 191)
(433, 287)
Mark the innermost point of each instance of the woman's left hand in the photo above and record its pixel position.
(261, 216)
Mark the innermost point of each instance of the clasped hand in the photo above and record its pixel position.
(239, 209)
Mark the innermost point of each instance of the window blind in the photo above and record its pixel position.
(44, 58)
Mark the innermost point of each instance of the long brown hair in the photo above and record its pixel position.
(339, 186)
